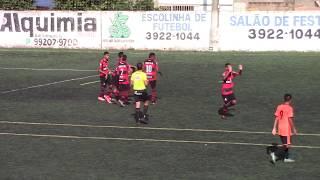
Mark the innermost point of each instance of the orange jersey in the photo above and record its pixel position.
(283, 113)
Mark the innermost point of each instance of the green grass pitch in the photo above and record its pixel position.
(189, 94)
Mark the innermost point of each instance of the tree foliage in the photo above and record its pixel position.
(16, 5)
(105, 5)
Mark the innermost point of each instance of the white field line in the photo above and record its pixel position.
(35, 69)
(92, 82)
(146, 140)
(146, 128)
(47, 84)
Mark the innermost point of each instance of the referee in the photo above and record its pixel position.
(139, 83)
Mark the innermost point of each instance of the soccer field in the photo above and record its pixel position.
(53, 127)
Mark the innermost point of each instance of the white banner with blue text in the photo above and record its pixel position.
(269, 31)
(163, 30)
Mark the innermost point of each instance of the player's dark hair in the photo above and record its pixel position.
(120, 54)
(124, 57)
(139, 66)
(287, 97)
(227, 64)
(106, 52)
(152, 54)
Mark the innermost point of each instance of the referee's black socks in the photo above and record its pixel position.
(145, 109)
(138, 113)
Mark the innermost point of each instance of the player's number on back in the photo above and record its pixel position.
(281, 114)
(148, 68)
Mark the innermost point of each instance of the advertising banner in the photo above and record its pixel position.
(50, 29)
(270, 31)
(163, 30)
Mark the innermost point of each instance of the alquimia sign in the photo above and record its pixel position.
(50, 29)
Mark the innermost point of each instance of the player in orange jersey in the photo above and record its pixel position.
(284, 126)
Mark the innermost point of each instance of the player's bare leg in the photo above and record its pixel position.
(154, 93)
(103, 86)
(122, 99)
(107, 95)
(228, 105)
(115, 93)
(223, 111)
(154, 96)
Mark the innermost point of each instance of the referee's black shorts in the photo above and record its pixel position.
(141, 95)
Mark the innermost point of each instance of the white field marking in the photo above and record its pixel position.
(35, 69)
(47, 84)
(92, 82)
(147, 140)
(145, 128)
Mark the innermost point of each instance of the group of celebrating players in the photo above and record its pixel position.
(116, 85)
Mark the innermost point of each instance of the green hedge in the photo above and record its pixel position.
(111, 5)
(16, 4)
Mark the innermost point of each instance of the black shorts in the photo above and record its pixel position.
(284, 139)
(123, 87)
(228, 98)
(105, 81)
(141, 95)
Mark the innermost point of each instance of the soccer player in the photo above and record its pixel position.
(115, 78)
(104, 78)
(284, 126)
(123, 71)
(120, 55)
(227, 93)
(139, 83)
(151, 68)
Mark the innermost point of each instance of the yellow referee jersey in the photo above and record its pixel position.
(138, 78)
